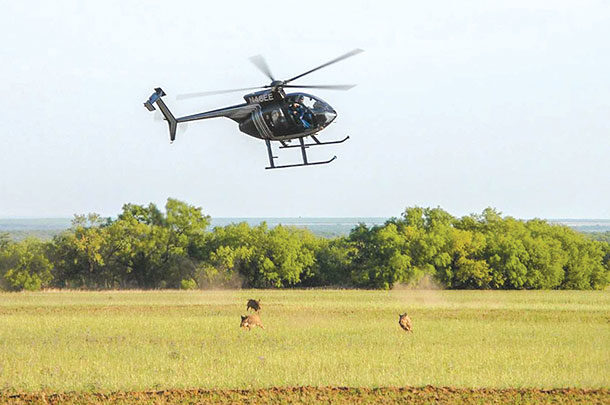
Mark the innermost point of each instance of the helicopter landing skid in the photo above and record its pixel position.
(303, 146)
(316, 140)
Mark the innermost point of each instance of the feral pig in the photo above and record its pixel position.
(250, 321)
(254, 304)
(405, 322)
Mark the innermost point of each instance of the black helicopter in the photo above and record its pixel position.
(270, 114)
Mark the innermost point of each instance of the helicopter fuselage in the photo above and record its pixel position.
(280, 116)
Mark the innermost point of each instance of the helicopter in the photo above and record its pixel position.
(269, 113)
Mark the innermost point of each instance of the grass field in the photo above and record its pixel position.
(134, 341)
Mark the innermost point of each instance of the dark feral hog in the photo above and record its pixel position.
(405, 322)
(250, 321)
(254, 304)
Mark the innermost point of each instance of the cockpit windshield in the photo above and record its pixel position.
(314, 104)
(309, 112)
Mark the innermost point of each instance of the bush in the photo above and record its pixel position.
(188, 284)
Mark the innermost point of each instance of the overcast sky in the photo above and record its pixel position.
(461, 105)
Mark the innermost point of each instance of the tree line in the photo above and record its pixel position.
(147, 248)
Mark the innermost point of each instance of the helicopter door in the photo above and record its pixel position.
(261, 125)
(276, 120)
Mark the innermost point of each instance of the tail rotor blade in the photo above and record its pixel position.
(182, 128)
(260, 62)
(340, 58)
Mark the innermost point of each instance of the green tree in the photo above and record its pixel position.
(4, 240)
(24, 265)
(333, 263)
(259, 256)
(150, 249)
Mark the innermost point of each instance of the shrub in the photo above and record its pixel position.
(188, 284)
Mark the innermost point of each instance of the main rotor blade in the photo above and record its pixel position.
(327, 87)
(340, 58)
(213, 92)
(260, 62)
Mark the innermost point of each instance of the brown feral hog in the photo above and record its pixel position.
(405, 322)
(254, 304)
(250, 321)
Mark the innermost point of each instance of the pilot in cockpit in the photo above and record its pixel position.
(302, 114)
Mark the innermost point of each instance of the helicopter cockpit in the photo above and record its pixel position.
(310, 111)
(300, 112)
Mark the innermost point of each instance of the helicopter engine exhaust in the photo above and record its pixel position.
(169, 117)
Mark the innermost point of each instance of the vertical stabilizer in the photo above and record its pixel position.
(169, 117)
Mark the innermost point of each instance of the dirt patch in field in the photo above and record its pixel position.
(425, 283)
(311, 395)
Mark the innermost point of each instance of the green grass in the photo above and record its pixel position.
(106, 341)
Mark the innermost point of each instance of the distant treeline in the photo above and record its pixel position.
(600, 236)
(145, 247)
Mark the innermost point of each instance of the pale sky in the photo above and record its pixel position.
(461, 105)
